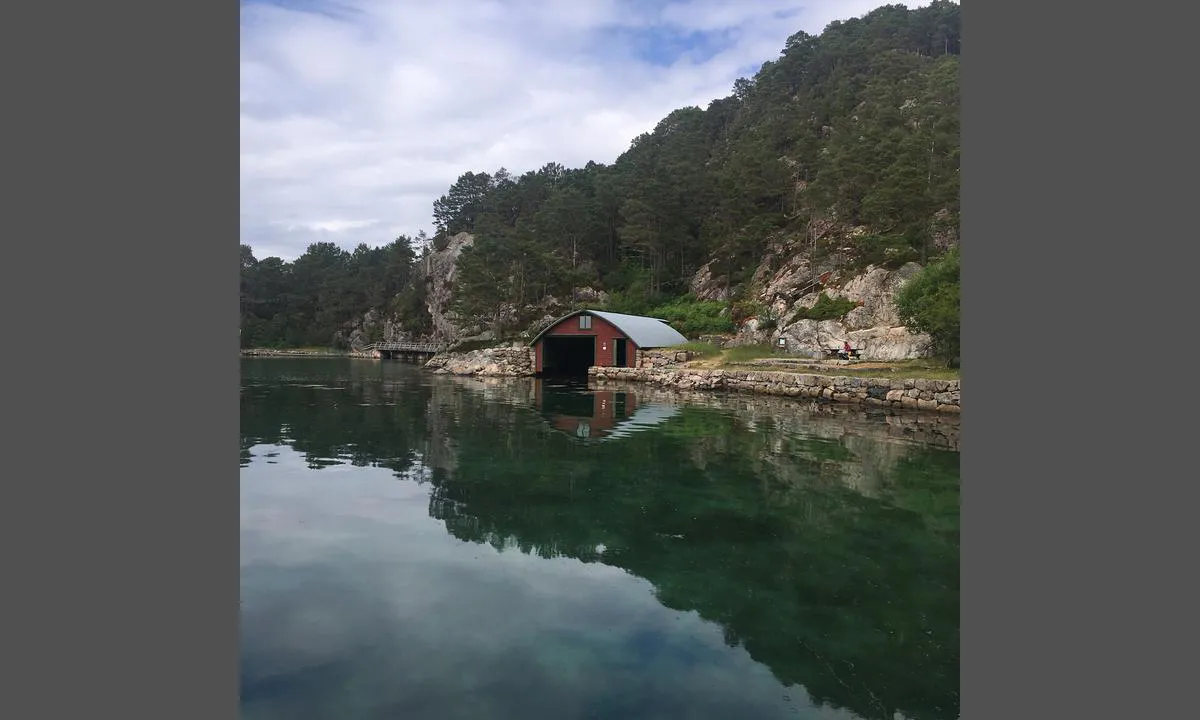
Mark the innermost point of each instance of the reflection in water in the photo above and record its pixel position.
(596, 413)
(426, 546)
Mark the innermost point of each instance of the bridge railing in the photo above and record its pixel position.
(406, 347)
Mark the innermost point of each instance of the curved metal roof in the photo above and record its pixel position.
(645, 332)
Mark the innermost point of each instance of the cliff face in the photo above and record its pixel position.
(873, 326)
(788, 280)
(439, 269)
(372, 327)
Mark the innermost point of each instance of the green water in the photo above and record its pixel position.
(422, 546)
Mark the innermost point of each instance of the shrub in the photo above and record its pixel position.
(929, 303)
(768, 319)
(743, 310)
(628, 303)
(888, 251)
(695, 317)
(826, 308)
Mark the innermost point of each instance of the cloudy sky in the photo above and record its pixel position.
(357, 114)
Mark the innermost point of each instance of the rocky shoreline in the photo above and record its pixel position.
(515, 360)
(662, 369)
(271, 352)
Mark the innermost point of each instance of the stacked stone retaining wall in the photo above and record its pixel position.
(661, 358)
(913, 393)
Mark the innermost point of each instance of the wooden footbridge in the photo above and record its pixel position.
(412, 351)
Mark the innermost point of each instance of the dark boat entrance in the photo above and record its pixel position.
(568, 355)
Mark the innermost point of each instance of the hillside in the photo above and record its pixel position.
(834, 167)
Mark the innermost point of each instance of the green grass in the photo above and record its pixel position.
(708, 355)
(929, 370)
(710, 351)
(700, 349)
(743, 353)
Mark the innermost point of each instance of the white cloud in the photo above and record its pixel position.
(357, 114)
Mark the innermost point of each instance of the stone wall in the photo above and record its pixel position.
(661, 358)
(918, 394)
(514, 361)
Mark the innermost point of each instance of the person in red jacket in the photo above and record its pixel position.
(846, 350)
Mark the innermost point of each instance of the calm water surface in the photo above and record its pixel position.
(422, 546)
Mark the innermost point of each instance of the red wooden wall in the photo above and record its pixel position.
(603, 331)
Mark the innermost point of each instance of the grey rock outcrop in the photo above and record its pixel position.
(439, 268)
(515, 360)
(873, 327)
(375, 326)
(707, 286)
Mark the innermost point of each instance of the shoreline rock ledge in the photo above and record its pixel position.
(513, 361)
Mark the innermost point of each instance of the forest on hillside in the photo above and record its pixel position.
(855, 128)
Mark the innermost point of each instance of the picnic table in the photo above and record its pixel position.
(832, 352)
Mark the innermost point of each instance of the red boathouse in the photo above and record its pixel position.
(575, 342)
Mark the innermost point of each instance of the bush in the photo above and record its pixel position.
(409, 307)
(695, 317)
(743, 310)
(768, 319)
(929, 303)
(826, 308)
(628, 303)
(888, 251)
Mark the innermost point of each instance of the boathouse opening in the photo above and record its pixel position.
(568, 355)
